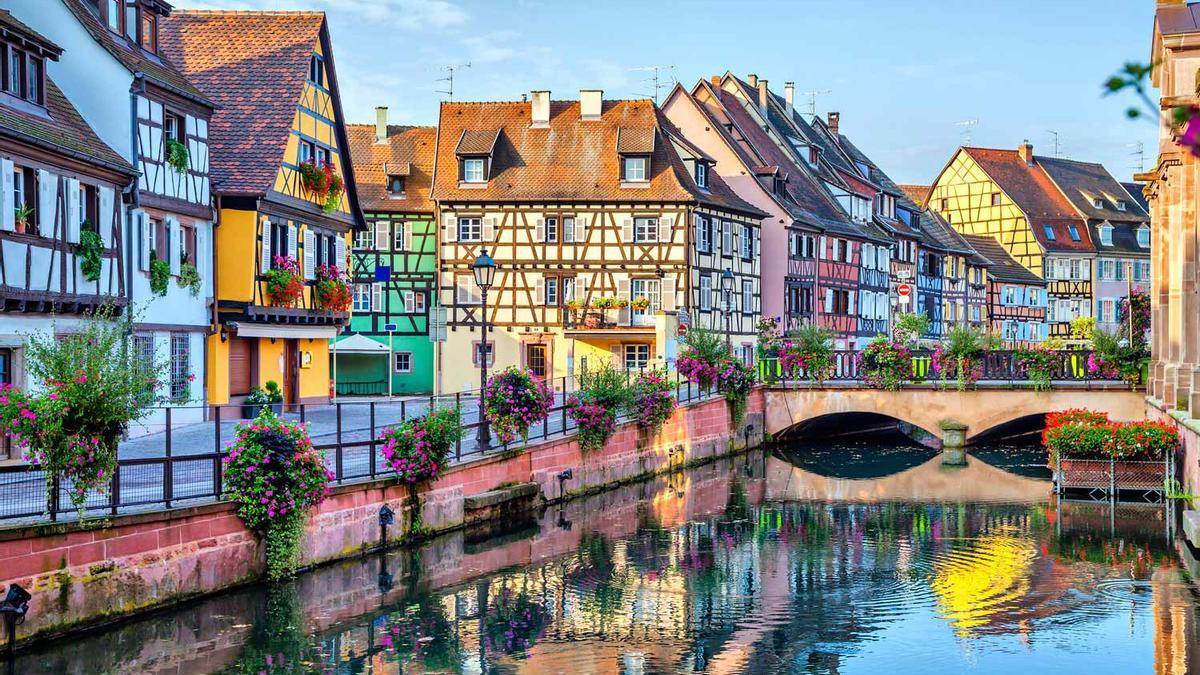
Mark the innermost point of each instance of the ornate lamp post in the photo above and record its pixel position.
(484, 269)
(726, 291)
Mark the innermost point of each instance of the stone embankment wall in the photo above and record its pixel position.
(84, 574)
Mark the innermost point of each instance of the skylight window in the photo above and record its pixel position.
(1074, 232)
(1049, 230)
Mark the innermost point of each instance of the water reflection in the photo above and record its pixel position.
(751, 565)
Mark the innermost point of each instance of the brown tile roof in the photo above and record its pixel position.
(1081, 182)
(1178, 19)
(11, 23)
(1034, 193)
(254, 64)
(408, 152)
(1001, 266)
(477, 142)
(635, 141)
(917, 193)
(160, 69)
(60, 129)
(570, 159)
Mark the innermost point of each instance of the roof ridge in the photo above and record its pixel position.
(249, 12)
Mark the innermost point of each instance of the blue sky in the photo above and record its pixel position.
(902, 73)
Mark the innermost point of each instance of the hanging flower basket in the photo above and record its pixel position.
(331, 290)
(284, 285)
(322, 182)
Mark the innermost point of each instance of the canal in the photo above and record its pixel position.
(850, 556)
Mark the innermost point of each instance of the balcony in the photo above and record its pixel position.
(607, 323)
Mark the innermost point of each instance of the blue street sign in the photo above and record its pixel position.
(383, 273)
(391, 327)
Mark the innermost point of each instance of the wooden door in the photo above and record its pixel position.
(241, 365)
(291, 372)
(535, 359)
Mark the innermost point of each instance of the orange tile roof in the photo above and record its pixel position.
(570, 159)
(917, 193)
(254, 65)
(408, 152)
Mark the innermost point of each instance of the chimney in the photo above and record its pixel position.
(540, 109)
(591, 103)
(716, 81)
(1025, 150)
(789, 97)
(381, 124)
(762, 95)
(831, 120)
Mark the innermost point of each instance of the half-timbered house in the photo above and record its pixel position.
(1016, 297)
(60, 193)
(1007, 195)
(138, 102)
(584, 204)
(393, 264)
(964, 275)
(273, 76)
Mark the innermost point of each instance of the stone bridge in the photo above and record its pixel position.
(978, 411)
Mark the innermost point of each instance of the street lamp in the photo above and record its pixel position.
(484, 269)
(726, 290)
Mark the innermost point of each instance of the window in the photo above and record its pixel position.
(400, 236)
(645, 230)
(1120, 205)
(1141, 271)
(727, 238)
(945, 204)
(362, 298)
(470, 229)
(473, 171)
(1008, 295)
(306, 151)
(568, 289)
(883, 258)
(1098, 202)
(995, 199)
(975, 313)
(173, 127)
(414, 302)
(550, 296)
(112, 15)
(703, 234)
(363, 240)
(868, 256)
(701, 174)
(466, 292)
(841, 250)
(402, 362)
(551, 225)
(33, 80)
(1108, 270)
(637, 357)
(481, 349)
(1074, 231)
(706, 292)
(321, 155)
(19, 193)
(747, 242)
(1107, 310)
(149, 31)
(1143, 237)
(131, 20)
(1106, 234)
(747, 296)
(16, 63)
(633, 169)
(181, 376)
(316, 73)
(1049, 230)
(395, 186)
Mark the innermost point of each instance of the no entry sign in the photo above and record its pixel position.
(905, 292)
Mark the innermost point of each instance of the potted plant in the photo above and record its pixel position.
(284, 285)
(323, 183)
(160, 275)
(513, 400)
(259, 399)
(808, 352)
(90, 251)
(640, 303)
(653, 402)
(574, 305)
(885, 364)
(21, 218)
(177, 155)
(331, 291)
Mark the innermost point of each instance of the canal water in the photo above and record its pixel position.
(853, 556)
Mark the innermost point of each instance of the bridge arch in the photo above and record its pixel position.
(980, 410)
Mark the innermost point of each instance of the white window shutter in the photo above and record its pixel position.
(627, 230)
(310, 253)
(141, 225)
(377, 297)
(407, 235)
(665, 225)
(202, 251)
(174, 244)
(291, 241)
(73, 214)
(623, 315)
(489, 229)
(449, 227)
(410, 303)
(7, 207)
(105, 217)
(668, 295)
(539, 229)
(581, 286)
(381, 235)
(539, 290)
(580, 229)
(339, 252)
(618, 356)
(47, 188)
(265, 253)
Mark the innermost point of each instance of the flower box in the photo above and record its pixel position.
(1121, 474)
(251, 410)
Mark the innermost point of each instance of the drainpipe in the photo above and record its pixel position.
(139, 87)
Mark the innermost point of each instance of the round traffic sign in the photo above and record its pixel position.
(681, 330)
(904, 290)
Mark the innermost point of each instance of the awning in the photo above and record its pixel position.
(360, 344)
(278, 331)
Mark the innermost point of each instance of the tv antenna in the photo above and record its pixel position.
(449, 79)
(967, 125)
(1057, 148)
(654, 79)
(812, 100)
(1139, 155)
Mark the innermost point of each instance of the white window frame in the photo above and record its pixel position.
(636, 350)
(473, 231)
(747, 296)
(1106, 232)
(704, 235)
(706, 292)
(399, 228)
(364, 239)
(361, 298)
(701, 174)
(747, 242)
(550, 294)
(473, 170)
(645, 230)
(550, 226)
(1143, 237)
(397, 357)
(640, 164)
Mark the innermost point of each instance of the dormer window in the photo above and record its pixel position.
(395, 186)
(1106, 231)
(139, 24)
(473, 170)
(779, 185)
(814, 155)
(1098, 202)
(633, 169)
(23, 68)
(701, 174)
(1120, 204)
(1143, 237)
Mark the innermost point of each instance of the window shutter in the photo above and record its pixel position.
(104, 227)
(73, 214)
(310, 254)
(821, 248)
(489, 229)
(580, 229)
(381, 235)
(8, 218)
(627, 230)
(377, 297)
(449, 227)
(47, 189)
(410, 304)
(581, 286)
(618, 356)
(174, 241)
(265, 253)
(291, 241)
(141, 225)
(623, 315)
(539, 290)
(201, 255)
(828, 300)
(539, 229)
(339, 252)
(668, 295)
(407, 235)
(697, 226)
(665, 225)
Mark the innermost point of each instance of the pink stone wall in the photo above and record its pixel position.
(1188, 459)
(80, 576)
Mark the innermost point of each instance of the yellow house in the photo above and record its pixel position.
(272, 76)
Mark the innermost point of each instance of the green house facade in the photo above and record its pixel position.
(393, 265)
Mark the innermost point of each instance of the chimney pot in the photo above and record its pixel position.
(591, 103)
(753, 79)
(1026, 152)
(540, 109)
(789, 97)
(762, 95)
(381, 124)
(716, 81)
(832, 120)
